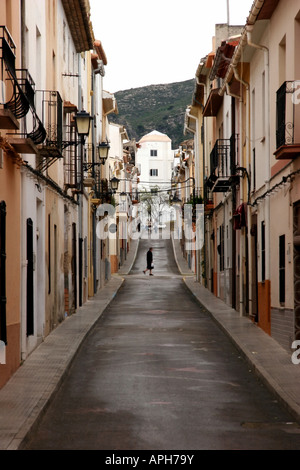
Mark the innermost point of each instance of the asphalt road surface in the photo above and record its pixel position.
(156, 373)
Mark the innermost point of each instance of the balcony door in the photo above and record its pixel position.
(297, 270)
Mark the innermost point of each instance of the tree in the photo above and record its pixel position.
(154, 202)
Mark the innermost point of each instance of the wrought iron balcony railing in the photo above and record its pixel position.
(49, 106)
(18, 98)
(72, 161)
(287, 121)
(222, 163)
(18, 85)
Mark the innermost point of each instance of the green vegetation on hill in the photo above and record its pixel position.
(155, 107)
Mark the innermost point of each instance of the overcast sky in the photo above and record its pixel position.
(160, 41)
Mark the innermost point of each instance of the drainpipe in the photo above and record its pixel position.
(93, 239)
(186, 127)
(24, 261)
(80, 201)
(249, 29)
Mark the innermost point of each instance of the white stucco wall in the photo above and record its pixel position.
(163, 162)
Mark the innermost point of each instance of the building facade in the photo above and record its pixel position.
(10, 194)
(155, 160)
(244, 116)
(53, 177)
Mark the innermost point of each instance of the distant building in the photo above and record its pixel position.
(155, 160)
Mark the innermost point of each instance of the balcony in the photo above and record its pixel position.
(72, 160)
(288, 122)
(10, 100)
(222, 163)
(102, 192)
(18, 100)
(50, 108)
(17, 90)
(34, 132)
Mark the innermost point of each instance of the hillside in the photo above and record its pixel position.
(154, 107)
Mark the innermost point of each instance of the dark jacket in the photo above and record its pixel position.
(149, 259)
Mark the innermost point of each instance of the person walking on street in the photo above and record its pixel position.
(149, 262)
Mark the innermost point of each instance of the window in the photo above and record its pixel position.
(3, 336)
(263, 252)
(153, 172)
(153, 153)
(221, 248)
(282, 269)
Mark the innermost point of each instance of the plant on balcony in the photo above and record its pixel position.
(195, 201)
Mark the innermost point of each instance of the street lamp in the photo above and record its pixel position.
(114, 184)
(83, 123)
(103, 149)
(123, 197)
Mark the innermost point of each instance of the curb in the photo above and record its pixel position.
(191, 274)
(125, 273)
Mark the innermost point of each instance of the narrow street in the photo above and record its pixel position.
(157, 373)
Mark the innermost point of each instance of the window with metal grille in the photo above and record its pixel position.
(282, 269)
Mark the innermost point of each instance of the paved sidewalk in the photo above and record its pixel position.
(26, 396)
(267, 358)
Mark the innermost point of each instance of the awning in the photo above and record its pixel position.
(209, 60)
(109, 103)
(222, 60)
(213, 103)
